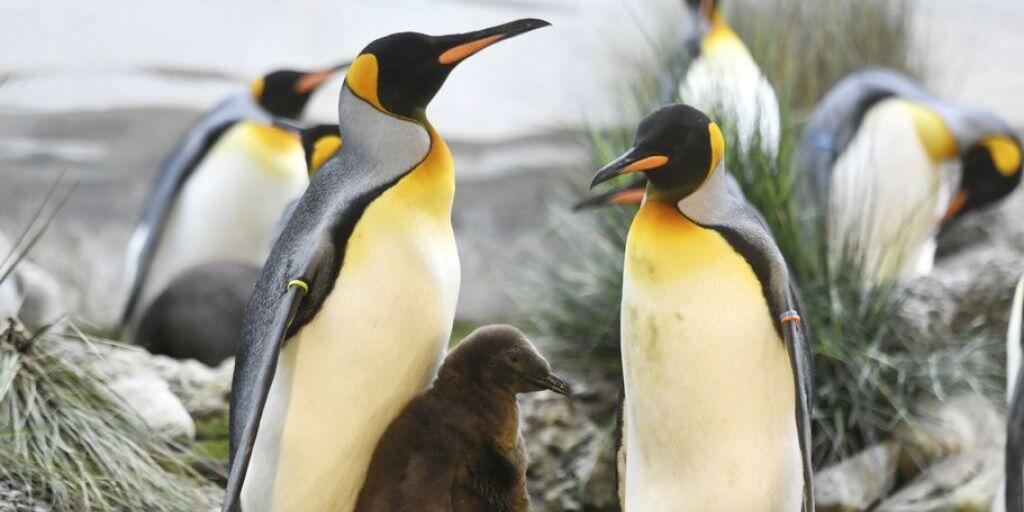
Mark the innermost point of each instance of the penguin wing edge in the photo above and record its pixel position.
(173, 173)
(261, 380)
(800, 358)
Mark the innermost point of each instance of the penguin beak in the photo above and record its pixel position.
(552, 383)
(955, 206)
(462, 46)
(310, 81)
(632, 193)
(627, 163)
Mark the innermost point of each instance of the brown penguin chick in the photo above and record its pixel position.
(456, 447)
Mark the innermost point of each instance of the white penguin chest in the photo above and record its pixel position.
(888, 195)
(228, 208)
(376, 341)
(726, 83)
(709, 388)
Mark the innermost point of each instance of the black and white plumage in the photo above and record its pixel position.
(220, 188)
(886, 164)
(355, 305)
(716, 361)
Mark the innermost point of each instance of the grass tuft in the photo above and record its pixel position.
(67, 437)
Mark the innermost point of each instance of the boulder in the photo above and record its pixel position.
(967, 482)
(962, 424)
(161, 410)
(858, 483)
(16, 498)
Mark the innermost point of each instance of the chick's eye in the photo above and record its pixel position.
(514, 358)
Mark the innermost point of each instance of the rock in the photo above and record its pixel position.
(856, 484)
(570, 441)
(959, 425)
(16, 498)
(43, 303)
(203, 390)
(151, 398)
(29, 292)
(966, 482)
(970, 289)
(562, 444)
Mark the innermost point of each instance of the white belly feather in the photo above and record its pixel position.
(887, 196)
(709, 409)
(377, 340)
(228, 209)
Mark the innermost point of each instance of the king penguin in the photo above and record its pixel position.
(723, 79)
(886, 165)
(199, 314)
(355, 305)
(220, 192)
(714, 73)
(716, 363)
(319, 143)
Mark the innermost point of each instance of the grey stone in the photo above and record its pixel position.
(965, 291)
(965, 482)
(29, 292)
(858, 483)
(962, 424)
(570, 442)
(15, 497)
(161, 410)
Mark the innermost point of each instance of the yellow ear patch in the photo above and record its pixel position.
(257, 89)
(934, 134)
(323, 149)
(1006, 154)
(717, 146)
(362, 79)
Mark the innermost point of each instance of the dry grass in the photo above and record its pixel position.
(64, 433)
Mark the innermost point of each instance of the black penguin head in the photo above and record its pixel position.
(991, 170)
(706, 8)
(319, 143)
(285, 93)
(401, 73)
(677, 147)
(501, 358)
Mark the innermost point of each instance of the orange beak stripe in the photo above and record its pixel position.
(311, 81)
(957, 204)
(631, 196)
(646, 164)
(456, 54)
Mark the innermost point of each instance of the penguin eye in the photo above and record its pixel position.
(514, 358)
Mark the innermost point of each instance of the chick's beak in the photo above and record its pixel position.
(462, 46)
(552, 383)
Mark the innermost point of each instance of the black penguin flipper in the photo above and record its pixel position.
(799, 350)
(175, 170)
(263, 378)
(721, 206)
